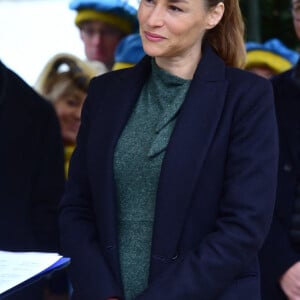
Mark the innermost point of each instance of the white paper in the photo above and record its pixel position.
(17, 267)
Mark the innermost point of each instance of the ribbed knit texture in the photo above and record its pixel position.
(137, 164)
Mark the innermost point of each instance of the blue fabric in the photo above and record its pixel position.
(275, 46)
(119, 7)
(130, 49)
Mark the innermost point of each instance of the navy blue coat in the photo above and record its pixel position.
(215, 196)
(278, 253)
(31, 172)
(32, 162)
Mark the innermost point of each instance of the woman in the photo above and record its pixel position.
(64, 82)
(172, 183)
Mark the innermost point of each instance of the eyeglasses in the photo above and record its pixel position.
(105, 32)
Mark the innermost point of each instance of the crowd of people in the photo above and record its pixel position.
(166, 164)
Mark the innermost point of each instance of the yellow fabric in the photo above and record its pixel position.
(121, 65)
(92, 15)
(273, 61)
(68, 153)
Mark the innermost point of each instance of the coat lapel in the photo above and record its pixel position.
(111, 117)
(188, 145)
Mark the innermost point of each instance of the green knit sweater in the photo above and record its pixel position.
(137, 164)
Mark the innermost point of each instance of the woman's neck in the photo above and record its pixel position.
(183, 67)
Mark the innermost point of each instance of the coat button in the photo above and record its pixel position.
(287, 168)
(174, 257)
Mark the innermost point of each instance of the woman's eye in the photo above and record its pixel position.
(175, 8)
(72, 102)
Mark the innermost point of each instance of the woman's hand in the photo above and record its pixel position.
(290, 282)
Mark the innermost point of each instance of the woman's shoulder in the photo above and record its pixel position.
(243, 76)
(245, 81)
(247, 90)
(131, 78)
(127, 74)
(111, 76)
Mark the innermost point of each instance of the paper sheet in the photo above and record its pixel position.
(17, 267)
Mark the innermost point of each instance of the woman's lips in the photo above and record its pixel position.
(153, 37)
(74, 126)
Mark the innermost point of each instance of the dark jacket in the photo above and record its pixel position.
(278, 252)
(32, 168)
(215, 196)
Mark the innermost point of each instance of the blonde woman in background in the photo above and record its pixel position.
(64, 82)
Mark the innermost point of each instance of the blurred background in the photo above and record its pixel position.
(267, 19)
(31, 31)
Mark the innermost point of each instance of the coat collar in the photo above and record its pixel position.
(211, 67)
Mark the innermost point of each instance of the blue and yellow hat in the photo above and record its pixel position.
(119, 13)
(128, 52)
(273, 54)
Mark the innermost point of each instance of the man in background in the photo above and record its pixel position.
(102, 24)
(269, 58)
(280, 255)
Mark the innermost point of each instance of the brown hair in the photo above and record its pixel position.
(227, 38)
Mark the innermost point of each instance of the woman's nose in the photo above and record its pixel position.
(156, 17)
(77, 112)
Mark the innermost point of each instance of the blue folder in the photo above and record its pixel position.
(58, 265)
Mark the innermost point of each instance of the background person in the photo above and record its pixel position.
(129, 52)
(172, 184)
(102, 25)
(64, 82)
(32, 172)
(280, 256)
(269, 58)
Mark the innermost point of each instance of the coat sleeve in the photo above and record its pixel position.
(91, 276)
(48, 183)
(245, 208)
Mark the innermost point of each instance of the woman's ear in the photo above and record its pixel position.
(215, 15)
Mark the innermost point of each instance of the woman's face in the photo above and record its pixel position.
(174, 28)
(100, 41)
(296, 16)
(68, 108)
